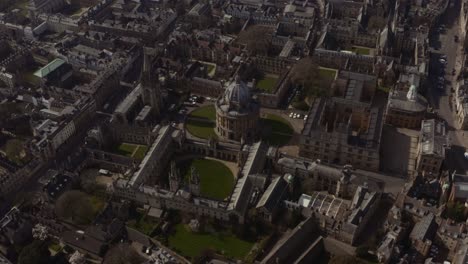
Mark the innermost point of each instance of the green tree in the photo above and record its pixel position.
(122, 254)
(35, 253)
(75, 206)
(456, 211)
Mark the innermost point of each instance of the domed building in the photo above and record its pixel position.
(237, 113)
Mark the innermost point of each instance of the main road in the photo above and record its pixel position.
(444, 43)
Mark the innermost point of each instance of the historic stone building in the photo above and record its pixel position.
(236, 113)
(433, 143)
(405, 109)
(346, 128)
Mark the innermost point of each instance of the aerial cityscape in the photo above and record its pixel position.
(233, 131)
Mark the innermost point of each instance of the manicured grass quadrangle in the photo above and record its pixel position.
(201, 122)
(192, 244)
(268, 83)
(143, 223)
(207, 112)
(140, 152)
(216, 179)
(132, 150)
(361, 50)
(327, 73)
(126, 149)
(201, 129)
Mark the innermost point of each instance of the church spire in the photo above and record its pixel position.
(150, 83)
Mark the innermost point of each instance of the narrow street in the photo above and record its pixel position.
(448, 44)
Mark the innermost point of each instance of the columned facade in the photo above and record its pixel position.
(236, 113)
(236, 127)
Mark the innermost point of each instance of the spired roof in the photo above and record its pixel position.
(237, 93)
(52, 66)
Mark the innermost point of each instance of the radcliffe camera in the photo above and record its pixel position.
(233, 132)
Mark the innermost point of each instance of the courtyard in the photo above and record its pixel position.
(276, 130)
(211, 68)
(142, 222)
(192, 244)
(216, 179)
(361, 50)
(327, 73)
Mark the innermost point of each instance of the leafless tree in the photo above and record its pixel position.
(75, 206)
(122, 254)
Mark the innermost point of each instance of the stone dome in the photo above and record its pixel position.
(236, 94)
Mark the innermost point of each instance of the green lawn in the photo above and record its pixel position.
(126, 149)
(201, 129)
(55, 247)
(268, 83)
(132, 150)
(140, 152)
(97, 203)
(192, 244)
(277, 130)
(207, 112)
(210, 68)
(204, 124)
(361, 50)
(383, 89)
(216, 179)
(144, 224)
(327, 73)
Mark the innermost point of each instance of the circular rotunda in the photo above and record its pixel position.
(237, 113)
